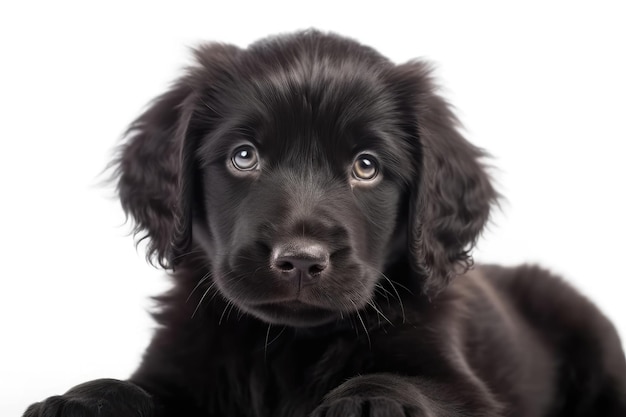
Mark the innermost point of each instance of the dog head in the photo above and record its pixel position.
(303, 167)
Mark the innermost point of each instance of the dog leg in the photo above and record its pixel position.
(388, 395)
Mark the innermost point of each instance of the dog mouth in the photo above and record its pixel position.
(293, 313)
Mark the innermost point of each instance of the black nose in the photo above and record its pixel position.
(300, 259)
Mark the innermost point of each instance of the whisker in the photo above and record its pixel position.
(395, 290)
(379, 289)
(202, 299)
(390, 281)
(228, 303)
(191, 252)
(385, 291)
(267, 336)
(230, 311)
(373, 305)
(369, 341)
(204, 278)
(402, 286)
(399, 298)
(277, 336)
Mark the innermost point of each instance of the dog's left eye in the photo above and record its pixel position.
(245, 158)
(365, 167)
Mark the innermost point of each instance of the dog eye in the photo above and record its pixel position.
(365, 168)
(245, 158)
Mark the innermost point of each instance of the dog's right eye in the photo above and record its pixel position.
(365, 168)
(245, 158)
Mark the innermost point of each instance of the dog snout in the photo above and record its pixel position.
(300, 259)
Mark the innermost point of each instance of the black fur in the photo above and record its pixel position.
(303, 288)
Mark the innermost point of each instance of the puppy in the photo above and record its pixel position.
(317, 205)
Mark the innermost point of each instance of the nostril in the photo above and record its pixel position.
(284, 266)
(315, 270)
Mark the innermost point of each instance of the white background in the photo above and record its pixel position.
(542, 86)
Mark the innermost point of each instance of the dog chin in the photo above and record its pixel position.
(292, 313)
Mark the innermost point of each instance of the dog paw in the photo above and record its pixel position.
(366, 407)
(101, 398)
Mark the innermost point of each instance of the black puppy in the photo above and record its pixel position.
(314, 202)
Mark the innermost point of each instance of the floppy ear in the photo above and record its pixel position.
(451, 200)
(149, 168)
(154, 168)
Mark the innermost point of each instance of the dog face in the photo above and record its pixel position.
(302, 185)
(303, 167)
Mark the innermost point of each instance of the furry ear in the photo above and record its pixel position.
(451, 200)
(148, 169)
(155, 166)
